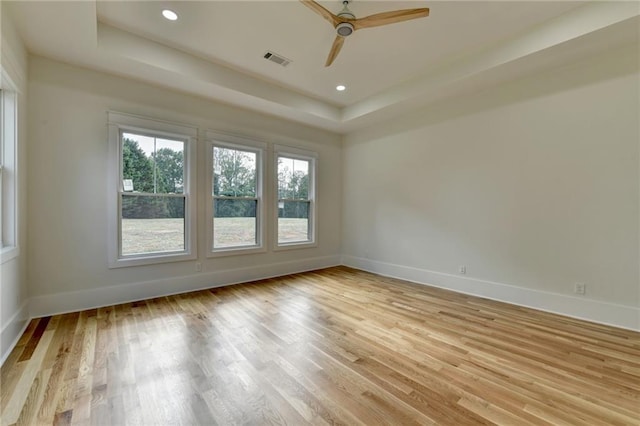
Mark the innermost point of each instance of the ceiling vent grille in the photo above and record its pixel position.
(278, 59)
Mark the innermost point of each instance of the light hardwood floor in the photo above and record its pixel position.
(335, 346)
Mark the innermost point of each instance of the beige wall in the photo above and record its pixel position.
(13, 287)
(67, 182)
(532, 185)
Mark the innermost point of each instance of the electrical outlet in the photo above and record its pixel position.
(580, 288)
(462, 269)
(198, 267)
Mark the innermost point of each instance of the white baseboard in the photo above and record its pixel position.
(74, 301)
(622, 316)
(12, 331)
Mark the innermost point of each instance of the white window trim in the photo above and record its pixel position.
(237, 142)
(9, 219)
(118, 122)
(312, 157)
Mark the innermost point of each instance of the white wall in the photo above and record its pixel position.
(67, 181)
(533, 185)
(13, 287)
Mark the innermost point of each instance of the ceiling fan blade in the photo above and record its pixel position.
(320, 10)
(335, 49)
(387, 18)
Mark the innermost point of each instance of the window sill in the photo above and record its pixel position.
(151, 260)
(8, 253)
(236, 251)
(295, 246)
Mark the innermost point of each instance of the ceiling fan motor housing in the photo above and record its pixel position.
(344, 29)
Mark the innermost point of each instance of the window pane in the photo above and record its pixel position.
(293, 221)
(234, 172)
(234, 223)
(152, 224)
(152, 165)
(293, 179)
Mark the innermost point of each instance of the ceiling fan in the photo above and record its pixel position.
(345, 22)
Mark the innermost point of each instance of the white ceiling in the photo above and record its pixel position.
(216, 49)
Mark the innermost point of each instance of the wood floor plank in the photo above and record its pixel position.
(56, 359)
(31, 345)
(18, 396)
(329, 347)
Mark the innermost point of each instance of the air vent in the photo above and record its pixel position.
(278, 59)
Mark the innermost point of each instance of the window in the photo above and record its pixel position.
(296, 197)
(235, 208)
(152, 178)
(8, 169)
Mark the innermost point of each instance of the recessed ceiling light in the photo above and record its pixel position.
(170, 14)
(340, 88)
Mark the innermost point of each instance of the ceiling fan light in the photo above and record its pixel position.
(169, 14)
(344, 29)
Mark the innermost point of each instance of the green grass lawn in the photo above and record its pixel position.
(165, 235)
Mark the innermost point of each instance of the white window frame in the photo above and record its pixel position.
(121, 122)
(9, 248)
(312, 158)
(241, 143)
